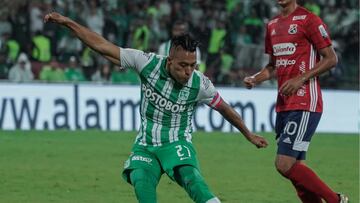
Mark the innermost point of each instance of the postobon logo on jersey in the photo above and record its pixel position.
(284, 49)
(161, 101)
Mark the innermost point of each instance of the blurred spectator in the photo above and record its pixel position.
(41, 48)
(94, 17)
(13, 49)
(52, 72)
(4, 66)
(10, 46)
(217, 40)
(141, 36)
(262, 9)
(20, 21)
(5, 26)
(313, 7)
(254, 26)
(68, 46)
(36, 17)
(178, 28)
(102, 75)
(121, 75)
(73, 72)
(21, 71)
(89, 62)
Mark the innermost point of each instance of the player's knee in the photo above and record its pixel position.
(283, 167)
(142, 176)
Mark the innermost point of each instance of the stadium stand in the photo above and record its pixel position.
(231, 33)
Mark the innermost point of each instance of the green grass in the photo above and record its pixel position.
(64, 166)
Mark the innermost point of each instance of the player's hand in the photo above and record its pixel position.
(249, 82)
(258, 141)
(55, 18)
(291, 86)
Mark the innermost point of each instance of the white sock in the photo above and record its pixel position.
(213, 200)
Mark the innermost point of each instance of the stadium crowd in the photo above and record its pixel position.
(231, 34)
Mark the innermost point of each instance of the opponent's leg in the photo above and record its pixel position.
(304, 178)
(144, 183)
(295, 130)
(191, 180)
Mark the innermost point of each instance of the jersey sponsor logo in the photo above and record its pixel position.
(292, 29)
(273, 21)
(323, 31)
(284, 63)
(302, 17)
(284, 49)
(159, 100)
(141, 158)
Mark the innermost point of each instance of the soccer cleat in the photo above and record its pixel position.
(343, 198)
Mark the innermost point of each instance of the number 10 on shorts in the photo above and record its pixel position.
(183, 152)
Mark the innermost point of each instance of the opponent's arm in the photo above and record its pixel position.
(328, 61)
(90, 38)
(265, 74)
(234, 118)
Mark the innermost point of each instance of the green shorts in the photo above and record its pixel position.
(160, 159)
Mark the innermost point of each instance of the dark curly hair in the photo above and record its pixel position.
(186, 41)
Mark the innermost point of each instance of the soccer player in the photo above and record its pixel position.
(299, 49)
(170, 91)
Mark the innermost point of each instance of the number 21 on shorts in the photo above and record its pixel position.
(183, 152)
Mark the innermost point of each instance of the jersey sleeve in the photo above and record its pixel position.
(133, 58)
(268, 47)
(208, 94)
(317, 32)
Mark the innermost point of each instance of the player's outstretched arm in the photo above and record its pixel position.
(265, 74)
(90, 38)
(234, 118)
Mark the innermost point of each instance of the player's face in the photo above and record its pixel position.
(284, 3)
(181, 64)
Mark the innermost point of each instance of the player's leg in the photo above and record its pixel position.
(194, 184)
(144, 183)
(143, 172)
(180, 163)
(293, 142)
(305, 195)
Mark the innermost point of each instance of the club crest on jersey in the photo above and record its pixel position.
(293, 29)
(184, 94)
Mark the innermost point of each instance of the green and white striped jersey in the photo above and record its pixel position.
(166, 107)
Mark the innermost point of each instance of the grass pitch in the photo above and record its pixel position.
(85, 166)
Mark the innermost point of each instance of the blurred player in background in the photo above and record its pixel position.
(300, 50)
(170, 91)
(178, 28)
